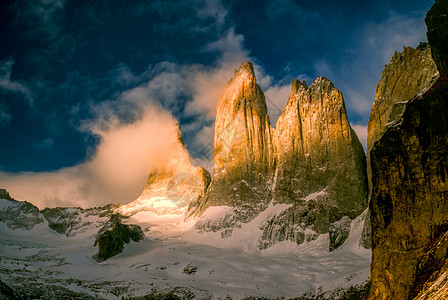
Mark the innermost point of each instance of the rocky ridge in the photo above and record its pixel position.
(18, 214)
(320, 163)
(409, 178)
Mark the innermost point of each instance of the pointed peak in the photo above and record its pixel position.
(246, 67)
(297, 85)
(179, 134)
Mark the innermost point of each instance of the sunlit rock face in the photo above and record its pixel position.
(243, 152)
(320, 163)
(173, 190)
(312, 162)
(409, 211)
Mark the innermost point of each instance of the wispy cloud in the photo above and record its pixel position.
(40, 16)
(13, 86)
(358, 70)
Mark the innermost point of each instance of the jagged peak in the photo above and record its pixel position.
(322, 81)
(297, 85)
(246, 68)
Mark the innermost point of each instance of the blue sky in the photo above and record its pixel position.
(72, 73)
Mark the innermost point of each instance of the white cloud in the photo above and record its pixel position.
(213, 9)
(361, 132)
(276, 99)
(5, 117)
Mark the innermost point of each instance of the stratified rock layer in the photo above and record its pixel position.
(177, 189)
(243, 152)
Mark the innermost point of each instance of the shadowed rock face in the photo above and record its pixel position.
(243, 152)
(409, 213)
(74, 220)
(437, 23)
(409, 209)
(320, 164)
(406, 75)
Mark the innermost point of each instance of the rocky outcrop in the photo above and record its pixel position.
(18, 214)
(409, 213)
(177, 189)
(339, 232)
(243, 152)
(74, 220)
(320, 163)
(112, 237)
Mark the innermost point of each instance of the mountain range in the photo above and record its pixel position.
(291, 210)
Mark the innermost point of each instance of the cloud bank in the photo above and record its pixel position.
(116, 173)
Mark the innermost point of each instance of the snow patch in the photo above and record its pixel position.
(314, 196)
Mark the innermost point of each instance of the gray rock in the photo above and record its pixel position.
(339, 232)
(18, 214)
(112, 237)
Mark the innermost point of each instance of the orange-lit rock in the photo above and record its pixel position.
(243, 152)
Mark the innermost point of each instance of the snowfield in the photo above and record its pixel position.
(175, 254)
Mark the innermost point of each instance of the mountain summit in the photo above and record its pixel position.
(243, 151)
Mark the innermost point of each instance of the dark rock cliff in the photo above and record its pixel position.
(409, 209)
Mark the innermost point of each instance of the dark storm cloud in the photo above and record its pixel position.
(78, 77)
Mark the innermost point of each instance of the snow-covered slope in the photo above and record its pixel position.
(175, 256)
